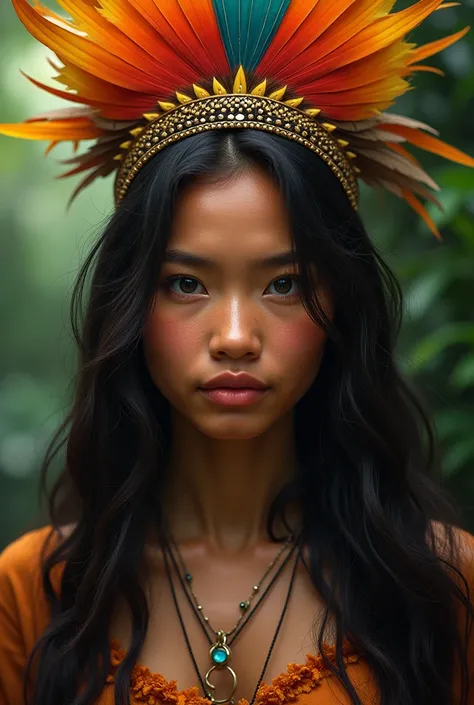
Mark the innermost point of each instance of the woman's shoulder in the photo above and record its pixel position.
(24, 610)
(23, 548)
(23, 554)
(21, 562)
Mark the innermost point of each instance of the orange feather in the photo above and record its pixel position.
(381, 92)
(108, 110)
(427, 50)
(430, 144)
(366, 41)
(303, 24)
(421, 210)
(349, 58)
(89, 86)
(81, 51)
(427, 69)
(394, 146)
(190, 29)
(345, 26)
(384, 63)
(104, 34)
(73, 129)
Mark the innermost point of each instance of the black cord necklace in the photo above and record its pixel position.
(205, 684)
(250, 613)
(244, 606)
(205, 626)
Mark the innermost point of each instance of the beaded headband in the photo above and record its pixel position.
(147, 73)
(238, 109)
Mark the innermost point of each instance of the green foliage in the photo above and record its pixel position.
(42, 245)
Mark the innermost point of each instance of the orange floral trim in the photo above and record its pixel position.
(301, 678)
(155, 689)
(152, 688)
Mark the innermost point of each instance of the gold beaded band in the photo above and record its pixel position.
(229, 111)
(195, 69)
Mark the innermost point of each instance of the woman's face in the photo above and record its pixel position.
(223, 305)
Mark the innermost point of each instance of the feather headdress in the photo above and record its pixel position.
(144, 73)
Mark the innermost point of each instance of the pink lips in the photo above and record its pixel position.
(234, 397)
(231, 389)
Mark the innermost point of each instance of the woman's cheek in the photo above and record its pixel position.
(300, 343)
(171, 340)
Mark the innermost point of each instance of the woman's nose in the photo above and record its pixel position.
(235, 329)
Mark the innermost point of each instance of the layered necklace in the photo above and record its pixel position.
(220, 641)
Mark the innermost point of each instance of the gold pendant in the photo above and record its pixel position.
(220, 656)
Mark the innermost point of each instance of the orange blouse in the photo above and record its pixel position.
(24, 616)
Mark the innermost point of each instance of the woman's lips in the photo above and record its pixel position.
(226, 396)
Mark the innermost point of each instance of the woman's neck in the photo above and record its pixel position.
(220, 491)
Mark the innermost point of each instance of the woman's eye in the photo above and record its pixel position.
(285, 287)
(183, 285)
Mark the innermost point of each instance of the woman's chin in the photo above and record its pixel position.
(234, 427)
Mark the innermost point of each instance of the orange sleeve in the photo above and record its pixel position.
(466, 541)
(24, 612)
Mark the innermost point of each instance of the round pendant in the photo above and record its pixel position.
(220, 656)
(212, 687)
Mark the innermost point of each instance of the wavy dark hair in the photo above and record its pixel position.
(368, 481)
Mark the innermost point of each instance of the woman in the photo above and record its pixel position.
(249, 509)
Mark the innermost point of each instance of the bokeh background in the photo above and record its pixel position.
(42, 245)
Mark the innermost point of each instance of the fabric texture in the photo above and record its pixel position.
(24, 615)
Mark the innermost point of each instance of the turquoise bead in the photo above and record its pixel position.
(219, 656)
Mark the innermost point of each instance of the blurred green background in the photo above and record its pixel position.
(42, 245)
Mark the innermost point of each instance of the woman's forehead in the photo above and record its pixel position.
(243, 196)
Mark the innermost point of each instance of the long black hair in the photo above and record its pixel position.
(368, 480)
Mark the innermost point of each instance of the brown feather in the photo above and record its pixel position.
(396, 162)
(378, 171)
(394, 119)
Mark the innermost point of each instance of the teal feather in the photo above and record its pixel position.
(247, 28)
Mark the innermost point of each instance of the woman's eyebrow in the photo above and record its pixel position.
(192, 259)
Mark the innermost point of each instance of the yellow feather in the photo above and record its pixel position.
(260, 89)
(200, 92)
(278, 95)
(164, 105)
(217, 87)
(294, 102)
(182, 97)
(240, 82)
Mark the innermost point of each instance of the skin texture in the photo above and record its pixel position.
(232, 315)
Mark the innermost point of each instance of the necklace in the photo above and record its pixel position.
(221, 640)
(219, 655)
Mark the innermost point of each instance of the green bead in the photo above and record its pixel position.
(244, 605)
